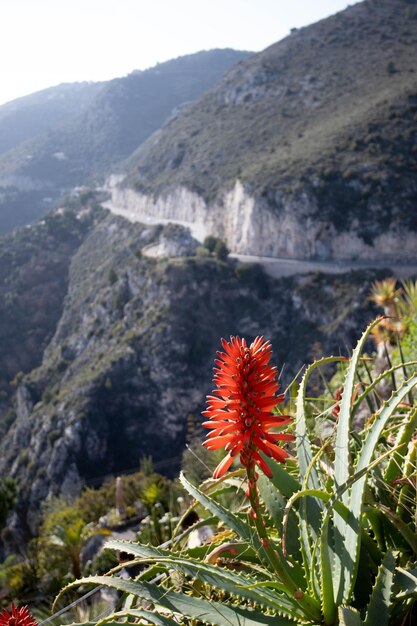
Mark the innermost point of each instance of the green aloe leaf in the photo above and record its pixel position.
(342, 464)
(347, 534)
(405, 583)
(349, 616)
(275, 504)
(375, 382)
(274, 492)
(406, 431)
(150, 616)
(401, 527)
(407, 491)
(304, 447)
(232, 521)
(326, 560)
(210, 486)
(223, 579)
(282, 480)
(241, 528)
(380, 601)
(293, 570)
(209, 612)
(310, 510)
(324, 541)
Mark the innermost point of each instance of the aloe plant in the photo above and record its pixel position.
(328, 538)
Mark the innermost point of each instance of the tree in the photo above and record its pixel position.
(210, 243)
(221, 251)
(66, 530)
(216, 247)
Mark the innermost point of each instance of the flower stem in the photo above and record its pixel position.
(308, 604)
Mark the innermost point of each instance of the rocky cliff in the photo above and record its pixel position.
(290, 230)
(34, 263)
(132, 353)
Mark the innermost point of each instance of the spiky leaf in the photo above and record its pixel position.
(209, 612)
(293, 570)
(275, 505)
(282, 480)
(405, 432)
(342, 464)
(405, 583)
(380, 601)
(347, 534)
(310, 510)
(219, 578)
(349, 616)
(154, 618)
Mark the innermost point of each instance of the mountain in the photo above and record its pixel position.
(29, 116)
(124, 113)
(305, 150)
(134, 336)
(34, 264)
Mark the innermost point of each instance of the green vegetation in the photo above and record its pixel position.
(68, 528)
(213, 246)
(328, 538)
(63, 535)
(8, 497)
(34, 265)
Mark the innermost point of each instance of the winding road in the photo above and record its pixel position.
(276, 267)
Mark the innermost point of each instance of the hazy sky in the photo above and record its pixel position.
(46, 42)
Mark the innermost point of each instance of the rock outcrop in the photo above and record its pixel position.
(250, 226)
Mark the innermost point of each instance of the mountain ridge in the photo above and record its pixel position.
(23, 118)
(316, 133)
(124, 113)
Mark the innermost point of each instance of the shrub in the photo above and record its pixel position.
(221, 251)
(210, 243)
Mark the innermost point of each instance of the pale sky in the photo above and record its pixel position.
(47, 42)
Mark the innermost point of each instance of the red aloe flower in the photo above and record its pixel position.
(17, 617)
(240, 412)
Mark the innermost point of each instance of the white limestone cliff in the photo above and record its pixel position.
(251, 227)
